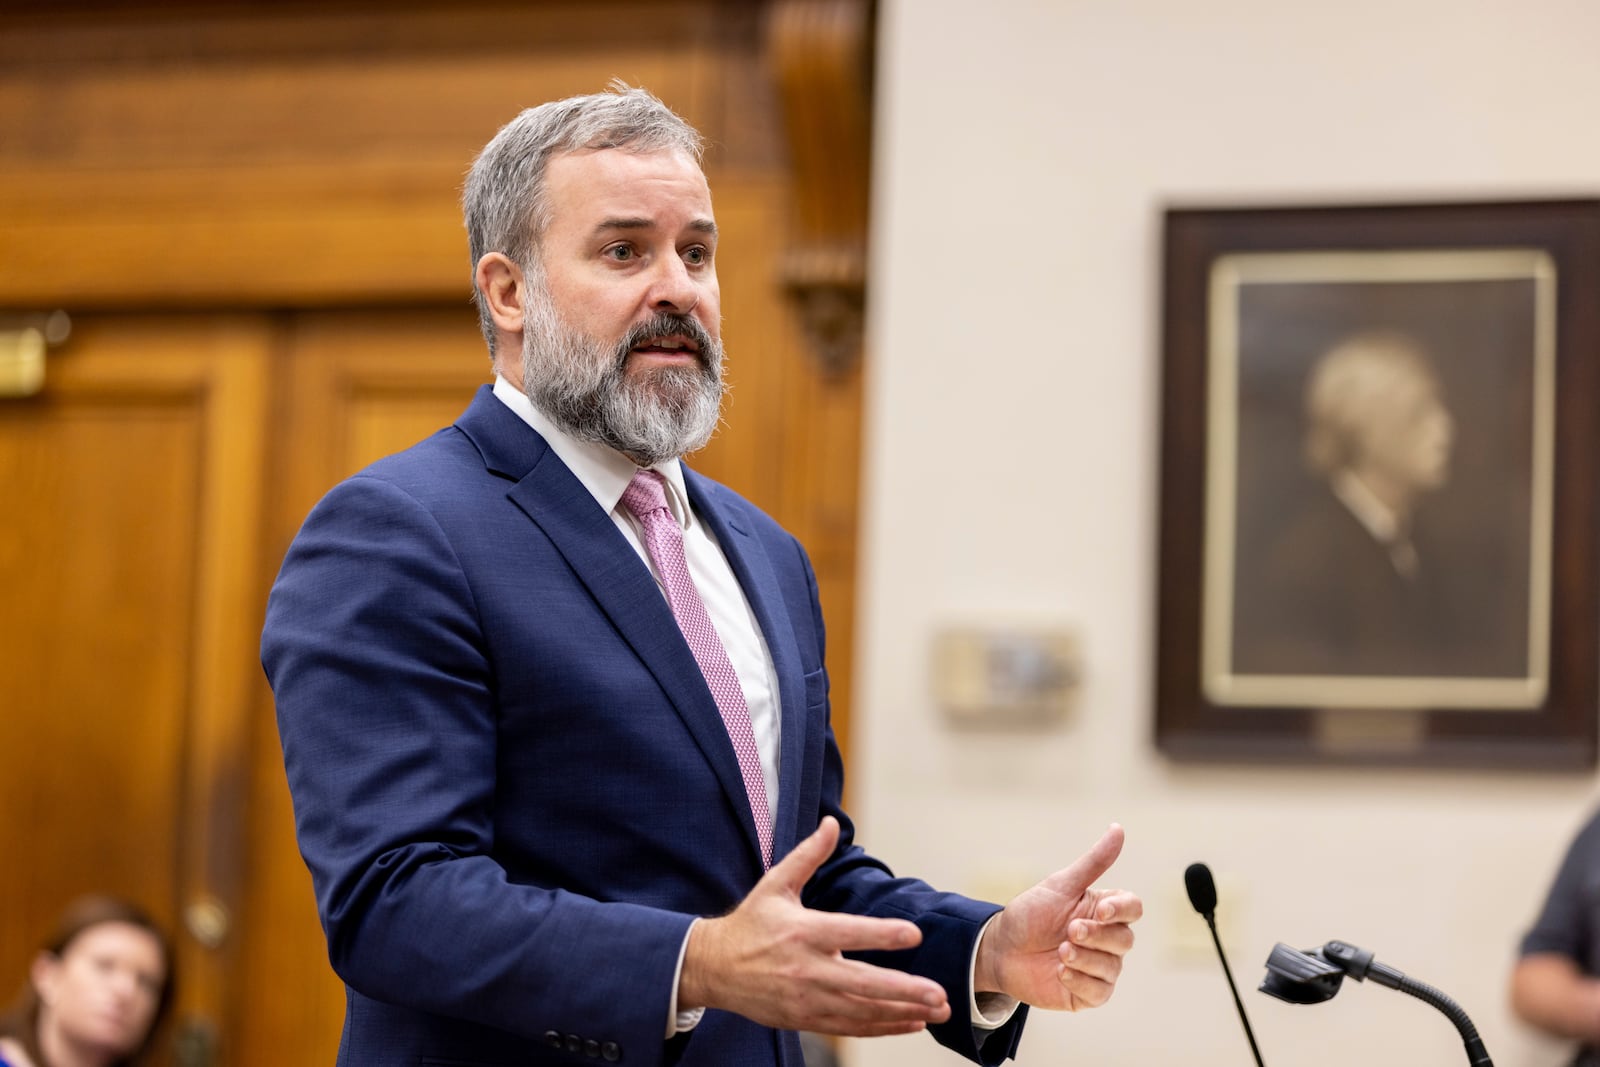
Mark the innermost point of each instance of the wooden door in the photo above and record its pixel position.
(128, 619)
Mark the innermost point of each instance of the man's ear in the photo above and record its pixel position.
(504, 291)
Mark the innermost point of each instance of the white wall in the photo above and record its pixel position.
(1025, 148)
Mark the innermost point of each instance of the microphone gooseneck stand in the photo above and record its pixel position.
(1313, 976)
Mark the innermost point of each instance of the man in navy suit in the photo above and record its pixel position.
(550, 816)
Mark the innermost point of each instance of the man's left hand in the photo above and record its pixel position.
(1060, 944)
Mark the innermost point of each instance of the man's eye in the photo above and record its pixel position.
(619, 253)
(696, 255)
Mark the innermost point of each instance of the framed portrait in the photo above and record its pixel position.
(1378, 530)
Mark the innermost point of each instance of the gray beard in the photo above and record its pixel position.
(583, 386)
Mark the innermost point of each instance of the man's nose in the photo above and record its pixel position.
(672, 288)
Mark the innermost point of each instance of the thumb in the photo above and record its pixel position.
(795, 870)
(1087, 868)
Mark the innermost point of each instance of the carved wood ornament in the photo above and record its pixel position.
(821, 55)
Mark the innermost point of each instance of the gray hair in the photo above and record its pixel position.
(503, 202)
(1352, 382)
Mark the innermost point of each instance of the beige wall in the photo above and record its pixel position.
(1025, 150)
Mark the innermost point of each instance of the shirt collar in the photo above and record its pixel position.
(604, 471)
(1369, 511)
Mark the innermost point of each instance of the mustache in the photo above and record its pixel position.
(665, 323)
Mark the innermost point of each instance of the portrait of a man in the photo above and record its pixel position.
(1377, 486)
(1352, 584)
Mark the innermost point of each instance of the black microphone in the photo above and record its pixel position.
(1203, 895)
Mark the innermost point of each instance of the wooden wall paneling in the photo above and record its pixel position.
(247, 154)
(821, 56)
(362, 383)
(128, 628)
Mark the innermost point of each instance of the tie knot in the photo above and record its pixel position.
(647, 492)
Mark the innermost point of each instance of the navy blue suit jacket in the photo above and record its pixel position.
(511, 784)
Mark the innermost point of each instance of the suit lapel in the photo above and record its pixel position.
(587, 538)
(760, 584)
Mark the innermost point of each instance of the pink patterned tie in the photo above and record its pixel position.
(646, 497)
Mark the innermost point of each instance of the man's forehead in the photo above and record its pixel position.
(617, 188)
(626, 167)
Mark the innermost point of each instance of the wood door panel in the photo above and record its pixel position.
(96, 621)
(126, 557)
(365, 383)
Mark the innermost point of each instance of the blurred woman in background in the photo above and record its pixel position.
(95, 993)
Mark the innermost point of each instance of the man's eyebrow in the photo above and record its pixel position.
(625, 223)
(705, 226)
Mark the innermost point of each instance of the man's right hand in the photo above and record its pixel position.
(781, 964)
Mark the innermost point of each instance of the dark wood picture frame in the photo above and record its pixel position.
(1296, 341)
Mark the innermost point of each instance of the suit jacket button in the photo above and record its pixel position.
(574, 1043)
(591, 1048)
(611, 1051)
(552, 1038)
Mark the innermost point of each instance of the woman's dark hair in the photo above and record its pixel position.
(21, 1021)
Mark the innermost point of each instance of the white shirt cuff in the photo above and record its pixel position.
(679, 1021)
(990, 1011)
